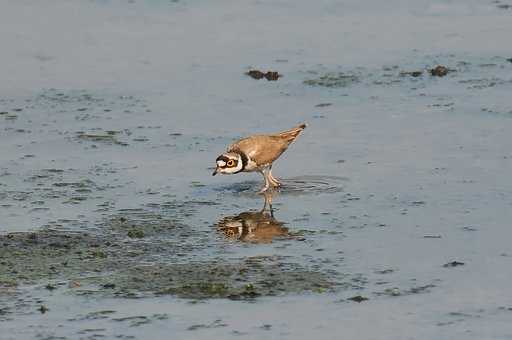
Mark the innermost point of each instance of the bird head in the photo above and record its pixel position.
(228, 163)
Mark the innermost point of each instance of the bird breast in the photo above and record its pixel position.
(251, 165)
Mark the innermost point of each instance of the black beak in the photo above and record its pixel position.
(215, 172)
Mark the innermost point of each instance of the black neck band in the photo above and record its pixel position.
(245, 160)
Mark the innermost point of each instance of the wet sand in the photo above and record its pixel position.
(395, 211)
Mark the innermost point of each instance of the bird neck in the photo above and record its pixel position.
(244, 159)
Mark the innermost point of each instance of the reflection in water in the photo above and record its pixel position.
(250, 226)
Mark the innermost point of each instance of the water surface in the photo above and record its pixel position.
(395, 211)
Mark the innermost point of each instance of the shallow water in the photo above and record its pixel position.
(397, 194)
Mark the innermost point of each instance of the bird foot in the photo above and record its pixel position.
(277, 184)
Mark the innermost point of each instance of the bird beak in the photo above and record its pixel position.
(215, 172)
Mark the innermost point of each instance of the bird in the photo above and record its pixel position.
(257, 153)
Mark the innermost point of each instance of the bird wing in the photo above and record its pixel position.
(291, 134)
(262, 149)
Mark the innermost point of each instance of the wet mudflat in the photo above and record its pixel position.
(395, 210)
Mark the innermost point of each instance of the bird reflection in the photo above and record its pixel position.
(255, 227)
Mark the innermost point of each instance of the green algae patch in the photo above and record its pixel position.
(235, 280)
(151, 252)
(333, 80)
(47, 255)
(111, 264)
(134, 233)
(107, 138)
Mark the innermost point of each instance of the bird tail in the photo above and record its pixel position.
(291, 134)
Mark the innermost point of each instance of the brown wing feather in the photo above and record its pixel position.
(264, 149)
(291, 134)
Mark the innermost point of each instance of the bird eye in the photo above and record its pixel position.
(231, 163)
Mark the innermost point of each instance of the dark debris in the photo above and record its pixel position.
(453, 264)
(269, 75)
(440, 71)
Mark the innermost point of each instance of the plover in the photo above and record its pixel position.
(257, 153)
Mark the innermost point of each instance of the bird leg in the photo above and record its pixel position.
(275, 183)
(264, 172)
